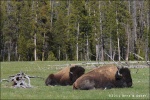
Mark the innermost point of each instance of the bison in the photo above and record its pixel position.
(105, 77)
(66, 76)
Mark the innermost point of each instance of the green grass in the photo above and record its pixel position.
(140, 89)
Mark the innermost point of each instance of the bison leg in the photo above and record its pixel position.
(109, 86)
(85, 85)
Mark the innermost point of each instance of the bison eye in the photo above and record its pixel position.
(117, 78)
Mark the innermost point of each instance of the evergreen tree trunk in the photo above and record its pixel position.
(9, 8)
(87, 39)
(16, 48)
(101, 34)
(110, 50)
(128, 32)
(118, 40)
(35, 37)
(77, 47)
(128, 42)
(110, 44)
(43, 51)
(102, 49)
(97, 52)
(97, 47)
(147, 49)
(68, 13)
(59, 53)
(134, 34)
(87, 48)
(35, 58)
(9, 50)
(16, 52)
(51, 18)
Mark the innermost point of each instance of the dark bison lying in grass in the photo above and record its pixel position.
(105, 77)
(66, 76)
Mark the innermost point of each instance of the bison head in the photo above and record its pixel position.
(50, 80)
(76, 72)
(123, 77)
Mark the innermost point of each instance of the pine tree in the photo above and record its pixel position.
(9, 29)
(74, 30)
(25, 45)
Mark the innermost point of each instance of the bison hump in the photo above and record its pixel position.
(51, 76)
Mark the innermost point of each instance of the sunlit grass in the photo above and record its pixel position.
(140, 89)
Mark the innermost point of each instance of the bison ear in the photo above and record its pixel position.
(51, 76)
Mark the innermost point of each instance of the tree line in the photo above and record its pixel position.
(74, 30)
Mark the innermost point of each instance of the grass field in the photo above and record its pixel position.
(140, 89)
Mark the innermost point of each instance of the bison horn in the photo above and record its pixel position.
(119, 73)
(71, 72)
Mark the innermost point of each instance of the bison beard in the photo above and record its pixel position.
(66, 76)
(105, 77)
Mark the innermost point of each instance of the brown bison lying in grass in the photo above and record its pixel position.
(66, 76)
(105, 77)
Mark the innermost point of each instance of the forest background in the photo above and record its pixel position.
(81, 30)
